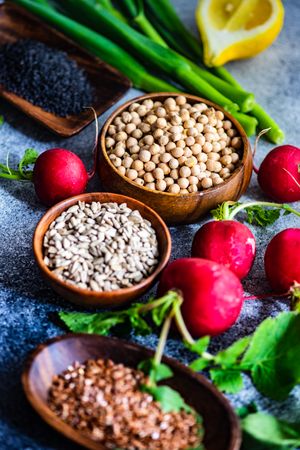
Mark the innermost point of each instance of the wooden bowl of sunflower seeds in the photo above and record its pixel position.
(180, 154)
(101, 249)
(87, 388)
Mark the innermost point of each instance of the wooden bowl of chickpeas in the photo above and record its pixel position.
(180, 154)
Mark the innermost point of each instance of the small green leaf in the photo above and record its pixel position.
(273, 355)
(169, 399)
(265, 432)
(229, 381)
(29, 158)
(261, 216)
(1, 120)
(199, 364)
(156, 372)
(230, 356)
(139, 324)
(99, 323)
(222, 211)
(160, 313)
(199, 346)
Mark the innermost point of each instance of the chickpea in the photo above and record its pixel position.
(213, 156)
(154, 149)
(117, 162)
(184, 114)
(150, 186)
(189, 141)
(141, 110)
(131, 174)
(158, 133)
(111, 130)
(184, 191)
(236, 142)
(216, 147)
(173, 163)
(163, 140)
(200, 107)
(177, 152)
(180, 100)
(122, 170)
(207, 147)
(151, 119)
(148, 177)
(206, 183)
(213, 166)
(161, 122)
(217, 180)
(148, 139)
(158, 173)
(135, 156)
(137, 134)
(227, 124)
(109, 142)
(145, 155)
(126, 117)
(185, 172)
(165, 168)
(226, 159)
(196, 149)
(174, 174)
(176, 119)
(149, 166)
(161, 185)
(131, 141)
(169, 181)
(231, 133)
(224, 171)
(130, 127)
(190, 162)
(134, 106)
(223, 144)
(192, 132)
(127, 161)
(119, 151)
(148, 103)
(157, 104)
(155, 159)
(203, 119)
(192, 188)
(170, 104)
(202, 157)
(140, 181)
(193, 180)
(195, 171)
(174, 189)
(187, 152)
(227, 151)
(235, 157)
(165, 157)
(190, 123)
(144, 128)
(170, 146)
(161, 112)
(183, 183)
(182, 160)
(137, 165)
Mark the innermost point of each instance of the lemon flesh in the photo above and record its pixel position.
(234, 29)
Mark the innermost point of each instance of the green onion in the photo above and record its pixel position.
(101, 47)
(162, 59)
(275, 134)
(249, 123)
(135, 10)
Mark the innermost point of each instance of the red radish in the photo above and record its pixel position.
(279, 175)
(212, 294)
(57, 174)
(282, 262)
(226, 242)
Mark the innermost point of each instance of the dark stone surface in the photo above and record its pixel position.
(26, 302)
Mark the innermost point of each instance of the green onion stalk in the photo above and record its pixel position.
(162, 59)
(168, 23)
(101, 47)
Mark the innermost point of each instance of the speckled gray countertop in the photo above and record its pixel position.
(26, 302)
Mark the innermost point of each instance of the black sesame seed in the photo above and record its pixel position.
(45, 77)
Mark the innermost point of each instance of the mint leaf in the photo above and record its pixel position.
(156, 372)
(200, 346)
(265, 432)
(229, 381)
(273, 355)
(261, 216)
(99, 323)
(169, 399)
(230, 356)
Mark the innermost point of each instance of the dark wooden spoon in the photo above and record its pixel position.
(222, 431)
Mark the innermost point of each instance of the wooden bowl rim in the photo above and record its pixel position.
(55, 422)
(54, 212)
(195, 99)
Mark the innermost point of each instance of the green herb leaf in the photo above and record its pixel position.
(99, 323)
(199, 364)
(222, 211)
(261, 216)
(265, 432)
(156, 372)
(229, 357)
(30, 156)
(200, 346)
(244, 411)
(139, 324)
(273, 355)
(1, 120)
(169, 399)
(227, 380)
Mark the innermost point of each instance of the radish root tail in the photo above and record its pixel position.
(255, 168)
(292, 176)
(95, 148)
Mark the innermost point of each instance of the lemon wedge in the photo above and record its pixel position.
(234, 29)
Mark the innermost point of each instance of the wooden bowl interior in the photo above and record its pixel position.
(108, 84)
(221, 425)
(112, 298)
